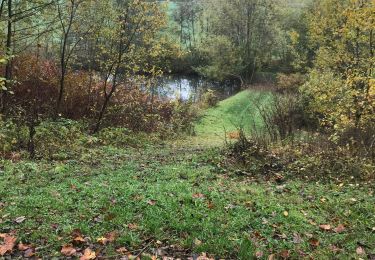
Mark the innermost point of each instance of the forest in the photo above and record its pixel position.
(187, 129)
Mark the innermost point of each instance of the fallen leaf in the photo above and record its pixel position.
(29, 253)
(285, 254)
(19, 220)
(102, 240)
(88, 255)
(339, 229)
(132, 226)
(151, 202)
(325, 227)
(23, 247)
(286, 213)
(360, 250)
(259, 254)
(121, 250)
(8, 244)
(111, 236)
(272, 257)
(198, 196)
(79, 239)
(334, 248)
(68, 250)
(314, 242)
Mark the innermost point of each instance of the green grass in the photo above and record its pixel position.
(107, 189)
(228, 116)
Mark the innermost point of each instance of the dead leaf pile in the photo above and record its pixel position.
(9, 242)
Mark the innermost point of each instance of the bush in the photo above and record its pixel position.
(289, 83)
(12, 137)
(58, 140)
(209, 99)
(281, 118)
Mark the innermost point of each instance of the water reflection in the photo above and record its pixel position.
(190, 87)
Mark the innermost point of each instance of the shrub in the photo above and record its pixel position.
(209, 99)
(58, 140)
(12, 137)
(282, 117)
(289, 83)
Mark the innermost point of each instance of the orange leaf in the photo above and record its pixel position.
(68, 250)
(8, 245)
(285, 254)
(88, 255)
(111, 236)
(23, 247)
(339, 229)
(79, 239)
(102, 240)
(121, 250)
(314, 242)
(325, 227)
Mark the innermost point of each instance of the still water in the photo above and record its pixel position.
(192, 87)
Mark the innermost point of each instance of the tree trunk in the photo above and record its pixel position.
(8, 51)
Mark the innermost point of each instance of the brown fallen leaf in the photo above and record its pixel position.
(102, 240)
(339, 229)
(259, 254)
(314, 242)
(68, 250)
(79, 239)
(272, 257)
(151, 202)
(122, 250)
(8, 244)
(360, 251)
(285, 254)
(88, 254)
(111, 236)
(29, 253)
(325, 227)
(198, 196)
(132, 226)
(23, 247)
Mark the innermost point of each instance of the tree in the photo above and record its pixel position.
(133, 26)
(341, 85)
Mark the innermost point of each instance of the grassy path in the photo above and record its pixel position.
(177, 201)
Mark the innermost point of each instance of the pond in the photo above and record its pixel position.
(192, 87)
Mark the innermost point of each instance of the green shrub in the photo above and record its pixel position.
(57, 140)
(209, 99)
(12, 137)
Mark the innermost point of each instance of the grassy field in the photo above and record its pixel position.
(180, 200)
(230, 114)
